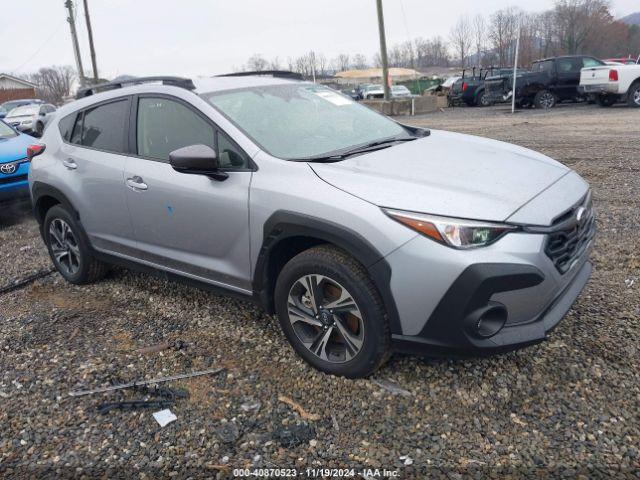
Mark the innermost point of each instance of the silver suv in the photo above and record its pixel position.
(364, 235)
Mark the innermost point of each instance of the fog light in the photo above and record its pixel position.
(487, 321)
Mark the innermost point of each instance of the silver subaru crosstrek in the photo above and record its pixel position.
(364, 235)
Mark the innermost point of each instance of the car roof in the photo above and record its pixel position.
(216, 84)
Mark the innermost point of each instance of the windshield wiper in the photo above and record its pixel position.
(368, 147)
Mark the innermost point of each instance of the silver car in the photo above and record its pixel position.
(364, 235)
(30, 118)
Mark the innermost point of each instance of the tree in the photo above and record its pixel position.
(577, 20)
(479, 36)
(359, 62)
(502, 33)
(342, 62)
(256, 63)
(53, 84)
(460, 37)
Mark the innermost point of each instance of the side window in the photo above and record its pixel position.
(565, 65)
(65, 125)
(103, 127)
(76, 135)
(591, 62)
(165, 125)
(229, 155)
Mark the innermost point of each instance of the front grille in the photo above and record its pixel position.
(569, 242)
(17, 178)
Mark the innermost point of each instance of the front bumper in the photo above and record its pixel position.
(450, 329)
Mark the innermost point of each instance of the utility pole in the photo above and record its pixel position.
(94, 64)
(383, 51)
(74, 39)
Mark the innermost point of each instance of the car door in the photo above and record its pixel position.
(568, 77)
(189, 224)
(93, 157)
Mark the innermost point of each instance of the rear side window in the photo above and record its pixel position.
(591, 62)
(76, 135)
(65, 125)
(165, 125)
(103, 127)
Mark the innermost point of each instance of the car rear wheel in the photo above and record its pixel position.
(331, 313)
(544, 99)
(606, 100)
(634, 95)
(69, 248)
(483, 99)
(39, 130)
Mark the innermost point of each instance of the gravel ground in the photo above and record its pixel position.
(566, 407)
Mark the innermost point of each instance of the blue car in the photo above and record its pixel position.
(14, 165)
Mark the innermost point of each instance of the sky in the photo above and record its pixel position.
(208, 37)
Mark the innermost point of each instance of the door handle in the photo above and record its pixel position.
(70, 163)
(136, 183)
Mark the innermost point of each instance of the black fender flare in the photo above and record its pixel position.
(40, 190)
(282, 225)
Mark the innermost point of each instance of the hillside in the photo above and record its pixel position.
(632, 19)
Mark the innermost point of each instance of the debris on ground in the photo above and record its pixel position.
(298, 408)
(293, 435)
(228, 432)
(406, 460)
(392, 387)
(164, 417)
(23, 282)
(139, 383)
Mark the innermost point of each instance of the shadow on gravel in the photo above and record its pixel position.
(14, 213)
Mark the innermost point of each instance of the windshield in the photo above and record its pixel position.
(26, 110)
(298, 121)
(6, 131)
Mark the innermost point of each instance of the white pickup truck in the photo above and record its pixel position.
(612, 83)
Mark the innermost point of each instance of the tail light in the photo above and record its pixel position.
(464, 86)
(613, 75)
(34, 150)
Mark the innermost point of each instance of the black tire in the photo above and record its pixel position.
(334, 265)
(633, 96)
(606, 100)
(482, 99)
(39, 130)
(86, 269)
(545, 100)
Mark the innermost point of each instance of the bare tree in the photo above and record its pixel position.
(342, 62)
(256, 63)
(53, 84)
(502, 33)
(576, 20)
(360, 62)
(460, 37)
(479, 36)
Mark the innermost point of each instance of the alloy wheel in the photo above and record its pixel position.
(325, 318)
(547, 100)
(636, 96)
(64, 246)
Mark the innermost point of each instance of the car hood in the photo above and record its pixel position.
(447, 174)
(14, 148)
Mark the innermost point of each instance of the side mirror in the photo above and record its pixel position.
(197, 160)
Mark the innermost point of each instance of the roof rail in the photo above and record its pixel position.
(266, 73)
(186, 83)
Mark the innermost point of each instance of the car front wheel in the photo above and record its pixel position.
(332, 313)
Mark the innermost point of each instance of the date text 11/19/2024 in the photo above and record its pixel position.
(315, 472)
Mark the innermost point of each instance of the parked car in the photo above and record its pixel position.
(623, 61)
(363, 235)
(400, 91)
(6, 107)
(550, 81)
(14, 164)
(351, 92)
(30, 118)
(470, 89)
(370, 92)
(611, 84)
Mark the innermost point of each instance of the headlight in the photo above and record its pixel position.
(453, 232)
